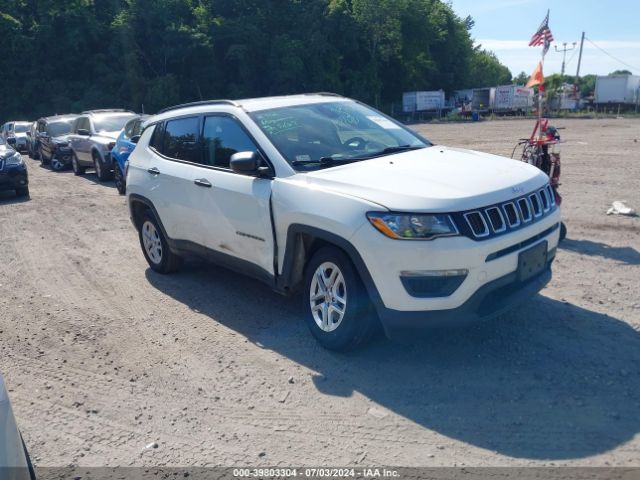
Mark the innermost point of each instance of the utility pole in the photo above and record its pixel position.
(564, 51)
(577, 82)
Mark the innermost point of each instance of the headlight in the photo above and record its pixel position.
(413, 226)
(15, 159)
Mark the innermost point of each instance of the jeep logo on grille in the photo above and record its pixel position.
(517, 190)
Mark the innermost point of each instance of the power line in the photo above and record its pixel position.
(615, 58)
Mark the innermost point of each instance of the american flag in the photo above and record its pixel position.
(543, 35)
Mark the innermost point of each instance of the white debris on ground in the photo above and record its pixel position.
(619, 208)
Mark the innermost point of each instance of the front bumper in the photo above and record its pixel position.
(63, 155)
(13, 177)
(491, 265)
(489, 301)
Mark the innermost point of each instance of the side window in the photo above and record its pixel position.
(180, 139)
(156, 137)
(222, 137)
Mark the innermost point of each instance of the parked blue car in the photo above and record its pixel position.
(125, 144)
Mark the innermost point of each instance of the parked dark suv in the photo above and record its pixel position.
(13, 171)
(92, 139)
(53, 144)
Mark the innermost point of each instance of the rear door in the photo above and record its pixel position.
(171, 174)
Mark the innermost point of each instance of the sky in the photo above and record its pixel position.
(506, 26)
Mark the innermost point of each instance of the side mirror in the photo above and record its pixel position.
(11, 141)
(83, 132)
(249, 163)
(135, 139)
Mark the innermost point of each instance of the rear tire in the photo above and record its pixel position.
(22, 192)
(155, 247)
(338, 312)
(121, 184)
(77, 169)
(43, 160)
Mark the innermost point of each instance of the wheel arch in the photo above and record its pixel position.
(137, 206)
(302, 242)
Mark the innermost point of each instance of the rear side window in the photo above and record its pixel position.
(129, 128)
(222, 138)
(181, 139)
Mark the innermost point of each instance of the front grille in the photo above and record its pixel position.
(477, 223)
(499, 219)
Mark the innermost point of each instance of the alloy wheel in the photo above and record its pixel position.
(328, 297)
(152, 242)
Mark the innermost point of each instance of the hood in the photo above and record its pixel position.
(20, 134)
(111, 135)
(434, 179)
(6, 151)
(64, 139)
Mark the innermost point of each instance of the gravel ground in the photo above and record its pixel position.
(104, 357)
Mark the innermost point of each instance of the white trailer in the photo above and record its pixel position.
(482, 99)
(618, 89)
(426, 101)
(513, 99)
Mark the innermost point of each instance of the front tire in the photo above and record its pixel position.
(56, 165)
(339, 313)
(77, 169)
(563, 231)
(22, 192)
(102, 172)
(155, 247)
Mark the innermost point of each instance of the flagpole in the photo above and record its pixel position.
(544, 90)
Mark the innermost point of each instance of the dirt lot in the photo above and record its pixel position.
(104, 357)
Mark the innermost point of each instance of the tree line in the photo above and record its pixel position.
(71, 55)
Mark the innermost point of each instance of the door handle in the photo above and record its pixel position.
(202, 182)
(153, 171)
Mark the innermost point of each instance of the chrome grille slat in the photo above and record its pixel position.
(528, 217)
(506, 216)
(473, 225)
(544, 196)
(503, 225)
(536, 204)
(516, 219)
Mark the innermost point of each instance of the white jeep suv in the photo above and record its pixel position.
(323, 195)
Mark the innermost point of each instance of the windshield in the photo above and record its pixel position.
(112, 123)
(1, 141)
(318, 135)
(59, 128)
(22, 127)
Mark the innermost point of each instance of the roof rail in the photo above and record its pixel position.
(198, 104)
(107, 110)
(325, 94)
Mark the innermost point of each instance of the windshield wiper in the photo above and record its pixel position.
(390, 150)
(328, 161)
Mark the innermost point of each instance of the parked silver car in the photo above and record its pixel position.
(14, 458)
(17, 130)
(92, 138)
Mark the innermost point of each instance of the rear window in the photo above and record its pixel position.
(112, 123)
(181, 139)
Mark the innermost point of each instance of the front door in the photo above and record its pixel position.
(236, 208)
